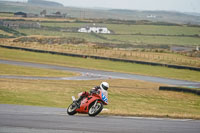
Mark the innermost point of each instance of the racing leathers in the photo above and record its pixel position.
(93, 90)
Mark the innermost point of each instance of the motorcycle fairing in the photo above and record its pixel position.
(85, 103)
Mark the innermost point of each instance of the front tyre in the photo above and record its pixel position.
(71, 110)
(95, 110)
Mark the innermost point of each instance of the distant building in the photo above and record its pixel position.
(94, 29)
(151, 16)
(53, 15)
(20, 14)
(19, 24)
(56, 15)
(43, 13)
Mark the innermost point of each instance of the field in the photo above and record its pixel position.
(13, 70)
(120, 39)
(6, 14)
(4, 33)
(88, 37)
(125, 34)
(135, 29)
(144, 34)
(154, 40)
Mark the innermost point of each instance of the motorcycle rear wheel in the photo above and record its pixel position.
(71, 110)
(95, 110)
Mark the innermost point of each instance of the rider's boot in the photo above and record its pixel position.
(78, 101)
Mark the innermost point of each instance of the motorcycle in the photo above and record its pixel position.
(91, 105)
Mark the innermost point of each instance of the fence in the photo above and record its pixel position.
(103, 58)
(165, 58)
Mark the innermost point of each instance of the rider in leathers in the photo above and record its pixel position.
(103, 87)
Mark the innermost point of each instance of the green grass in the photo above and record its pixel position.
(87, 37)
(136, 29)
(126, 97)
(63, 25)
(6, 69)
(5, 33)
(100, 64)
(6, 14)
(119, 39)
(155, 40)
(153, 29)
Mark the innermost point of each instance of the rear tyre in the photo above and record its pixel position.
(95, 110)
(71, 110)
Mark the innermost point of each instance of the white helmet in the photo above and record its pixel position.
(104, 85)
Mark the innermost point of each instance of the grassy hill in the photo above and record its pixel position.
(44, 3)
(155, 16)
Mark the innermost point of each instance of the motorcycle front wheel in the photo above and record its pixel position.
(71, 110)
(95, 110)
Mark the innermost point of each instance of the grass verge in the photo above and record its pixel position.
(99, 64)
(6, 69)
(126, 97)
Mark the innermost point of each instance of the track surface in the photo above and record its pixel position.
(89, 74)
(32, 119)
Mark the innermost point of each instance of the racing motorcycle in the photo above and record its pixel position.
(91, 105)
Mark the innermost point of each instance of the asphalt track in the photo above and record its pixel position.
(89, 74)
(31, 119)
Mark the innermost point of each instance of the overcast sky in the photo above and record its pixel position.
(174, 5)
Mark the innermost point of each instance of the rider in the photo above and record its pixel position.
(103, 86)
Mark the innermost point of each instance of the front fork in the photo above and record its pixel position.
(95, 103)
(73, 98)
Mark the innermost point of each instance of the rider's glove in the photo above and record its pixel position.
(93, 91)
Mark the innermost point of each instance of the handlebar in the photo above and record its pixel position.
(94, 92)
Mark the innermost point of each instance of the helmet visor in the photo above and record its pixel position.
(104, 87)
